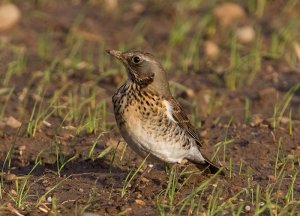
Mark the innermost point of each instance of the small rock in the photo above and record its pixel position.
(138, 7)
(295, 153)
(284, 120)
(111, 5)
(13, 192)
(9, 16)
(145, 180)
(140, 202)
(48, 188)
(13, 123)
(291, 157)
(23, 94)
(278, 194)
(245, 34)
(43, 209)
(190, 92)
(69, 127)
(271, 177)
(80, 190)
(204, 133)
(49, 199)
(10, 177)
(21, 149)
(211, 49)
(247, 208)
(82, 65)
(48, 124)
(256, 121)
(225, 212)
(229, 13)
(10, 208)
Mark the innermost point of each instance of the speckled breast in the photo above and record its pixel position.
(143, 123)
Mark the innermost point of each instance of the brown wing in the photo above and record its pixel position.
(183, 121)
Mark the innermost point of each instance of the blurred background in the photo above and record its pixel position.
(56, 50)
(233, 65)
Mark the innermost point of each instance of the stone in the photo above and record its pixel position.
(229, 13)
(245, 34)
(9, 16)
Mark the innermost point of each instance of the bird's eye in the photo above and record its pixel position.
(136, 59)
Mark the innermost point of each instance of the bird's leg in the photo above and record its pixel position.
(178, 166)
(182, 163)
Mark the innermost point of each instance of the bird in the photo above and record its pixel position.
(149, 119)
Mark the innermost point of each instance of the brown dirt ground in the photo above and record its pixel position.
(96, 184)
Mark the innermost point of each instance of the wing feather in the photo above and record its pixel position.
(181, 119)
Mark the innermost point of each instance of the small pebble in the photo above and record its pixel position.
(21, 149)
(10, 177)
(9, 16)
(229, 13)
(69, 127)
(43, 209)
(111, 6)
(48, 124)
(140, 202)
(190, 92)
(272, 177)
(49, 199)
(13, 192)
(247, 208)
(211, 49)
(145, 180)
(13, 123)
(284, 120)
(245, 34)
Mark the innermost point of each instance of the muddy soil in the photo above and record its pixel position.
(87, 184)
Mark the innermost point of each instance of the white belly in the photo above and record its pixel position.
(145, 140)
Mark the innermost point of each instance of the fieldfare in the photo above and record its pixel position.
(150, 120)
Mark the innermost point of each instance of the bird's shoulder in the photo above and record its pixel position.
(177, 115)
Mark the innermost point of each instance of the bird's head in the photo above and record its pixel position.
(143, 69)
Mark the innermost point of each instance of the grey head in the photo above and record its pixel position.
(144, 70)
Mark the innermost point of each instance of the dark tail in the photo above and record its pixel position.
(209, 165)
